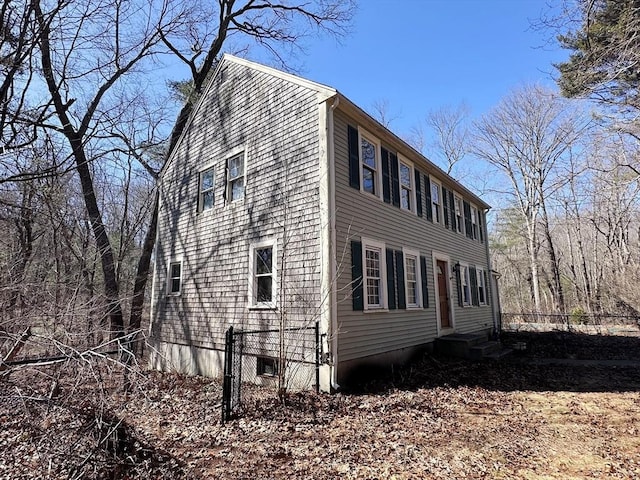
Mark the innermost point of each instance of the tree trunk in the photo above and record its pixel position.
(142, 275)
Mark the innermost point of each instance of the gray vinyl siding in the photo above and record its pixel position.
(359, 214)
(277, 123)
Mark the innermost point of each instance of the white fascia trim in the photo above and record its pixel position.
(303, 82)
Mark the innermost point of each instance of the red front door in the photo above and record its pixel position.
(443, 294)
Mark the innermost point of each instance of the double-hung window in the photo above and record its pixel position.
(435, 200)
(474, 222)
(174, 283)
(482, 287)
(412, 278)
(262, 275)
(235, 177)
(206, 189)
(370, 165)
(374, 274)
(459, 219)
(406, 186)
(466, 285)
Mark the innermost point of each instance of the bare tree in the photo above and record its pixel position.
(93, 59)
(381, 111)
(526, 137)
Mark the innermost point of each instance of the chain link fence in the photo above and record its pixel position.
(272, 357)
(576, 320)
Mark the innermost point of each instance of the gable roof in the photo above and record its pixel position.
(344, 104)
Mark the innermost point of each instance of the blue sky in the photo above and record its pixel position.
(420, 55)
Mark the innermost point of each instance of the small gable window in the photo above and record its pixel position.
(174, 283)
(206, 196)
(235, 177)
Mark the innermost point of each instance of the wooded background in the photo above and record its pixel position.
(86, 123)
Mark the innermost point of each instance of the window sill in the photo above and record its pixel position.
(236, 203)
(261, 307)
(376, 310)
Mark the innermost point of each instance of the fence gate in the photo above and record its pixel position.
(302, 349)
(232, 374)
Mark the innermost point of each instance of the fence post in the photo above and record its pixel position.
(317, 329)
(228, 374)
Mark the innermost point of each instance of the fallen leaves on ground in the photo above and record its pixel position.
(438, 418)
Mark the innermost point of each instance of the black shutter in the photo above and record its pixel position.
(481, 225)
(423, 277)
(468, 228)
(395, 179)
(402, 299)
(459, 284)
(418, 193)
(474, 286)
(356, 275)
(445, 206)
(354, 158)
(386, 179)
(391, 289)
(452, 209)
(427, 187)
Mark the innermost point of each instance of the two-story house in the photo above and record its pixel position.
(284, 203)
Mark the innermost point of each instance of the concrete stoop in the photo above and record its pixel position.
(472, 346)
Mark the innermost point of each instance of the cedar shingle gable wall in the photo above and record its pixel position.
(277, 123)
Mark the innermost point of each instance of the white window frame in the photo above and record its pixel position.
(170, 278)
(480, 272)
(459, 209)
(436, 207)
(253, 278)
(236, 152)
(407, 253)
(377, 181)
(474, 221)
(465, 282)
(201, 192)
(379, 246)
(412, 189)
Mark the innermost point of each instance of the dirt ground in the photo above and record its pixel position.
(438, 418)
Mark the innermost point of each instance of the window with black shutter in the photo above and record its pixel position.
(357, 288)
